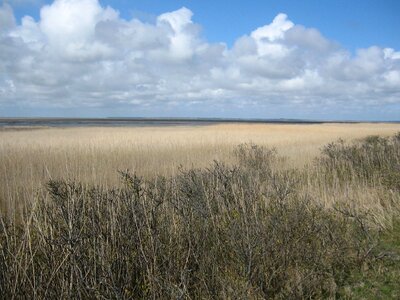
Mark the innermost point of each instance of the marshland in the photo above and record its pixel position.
(199, 149)
(248, 211)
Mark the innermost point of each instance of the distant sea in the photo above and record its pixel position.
(136, 122)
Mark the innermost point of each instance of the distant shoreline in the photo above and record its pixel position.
(149, 122)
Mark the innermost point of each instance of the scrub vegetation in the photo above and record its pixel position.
(289, 218)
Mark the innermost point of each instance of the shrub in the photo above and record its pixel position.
(242, 231)
(375, 160)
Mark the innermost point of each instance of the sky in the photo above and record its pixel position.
(321, 60)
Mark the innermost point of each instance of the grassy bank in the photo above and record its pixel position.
(253, 226)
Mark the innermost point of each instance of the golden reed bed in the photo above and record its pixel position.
(28, 158)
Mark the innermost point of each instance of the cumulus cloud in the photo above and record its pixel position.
(7, 19)
(80, 54)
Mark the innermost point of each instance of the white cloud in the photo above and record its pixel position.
(392, 78)
(82, 55)
(389, 53)
(267, 37)
(308, 39)
(7, 20)
(273, 31)
(180, 31)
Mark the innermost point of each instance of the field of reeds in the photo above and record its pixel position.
(222, 211)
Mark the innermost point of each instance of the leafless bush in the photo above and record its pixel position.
(242, 231)
(374, 160)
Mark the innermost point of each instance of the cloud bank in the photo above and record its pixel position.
(80, 55)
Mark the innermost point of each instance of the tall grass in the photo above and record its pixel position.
(254, 228)
(29, 159)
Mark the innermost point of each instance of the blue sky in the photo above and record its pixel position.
(302, 59)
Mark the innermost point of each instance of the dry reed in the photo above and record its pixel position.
(252, 224)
